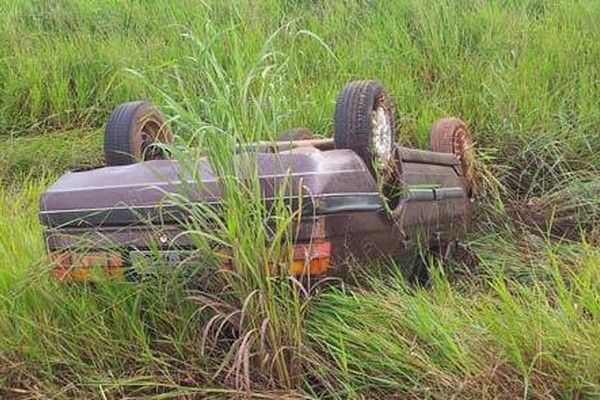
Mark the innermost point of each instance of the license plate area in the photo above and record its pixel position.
(154, 262)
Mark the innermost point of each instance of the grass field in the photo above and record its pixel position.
(522, 321)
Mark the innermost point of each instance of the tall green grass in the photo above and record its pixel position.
(517, 68)
(507, 340)
(520, 321)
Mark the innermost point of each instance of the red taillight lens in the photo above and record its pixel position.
(75, 267)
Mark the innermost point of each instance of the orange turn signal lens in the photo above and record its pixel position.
(311, 258)
(316, 266)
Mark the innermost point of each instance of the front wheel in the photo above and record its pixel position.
(451, 135)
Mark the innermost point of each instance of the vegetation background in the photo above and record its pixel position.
(521, 321)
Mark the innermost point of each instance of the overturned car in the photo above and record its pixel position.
(360, 195)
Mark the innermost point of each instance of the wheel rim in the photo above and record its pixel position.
(462, 148)
(382, 136)
(150, 134)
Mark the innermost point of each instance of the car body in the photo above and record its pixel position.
(101, 217)
(125, 206)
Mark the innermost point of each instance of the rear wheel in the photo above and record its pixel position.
(451, 135)
(132, 132)
(364, 123)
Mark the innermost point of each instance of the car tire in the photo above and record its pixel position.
(132, 130)
(452, 135)
(294, 134)
(364, 122)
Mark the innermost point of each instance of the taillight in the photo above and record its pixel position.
(81, 267)
(306, 259)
